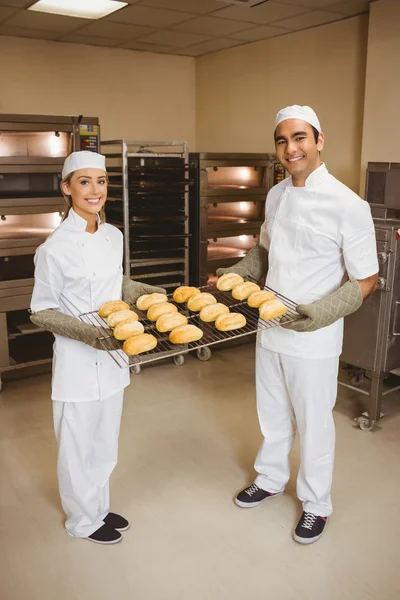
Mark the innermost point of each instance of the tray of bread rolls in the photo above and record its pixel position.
(159, 326)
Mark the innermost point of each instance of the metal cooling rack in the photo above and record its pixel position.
(211, 335)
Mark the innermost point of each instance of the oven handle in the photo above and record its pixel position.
(396, 318)
(381, 285)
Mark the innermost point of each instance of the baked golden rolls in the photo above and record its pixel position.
(199, 301)
(227, 281)
(209, 313)
(185, 334)
(139, 343)
(231, 321)
(127, 329)
(257, 298)
(144, 302)
(161, 308)
(244, 290)
(121, 315)
(107, 308)
(183, 293)
(272, 309)
(168, 321)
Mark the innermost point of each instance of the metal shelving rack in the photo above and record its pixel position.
(148, 200)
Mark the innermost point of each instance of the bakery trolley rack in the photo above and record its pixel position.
(211, 335)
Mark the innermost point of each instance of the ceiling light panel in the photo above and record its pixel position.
(89, 9)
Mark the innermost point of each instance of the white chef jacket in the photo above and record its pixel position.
(75, 273)
(314, 235)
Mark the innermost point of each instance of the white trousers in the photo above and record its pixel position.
(300, 391)
(87, 435)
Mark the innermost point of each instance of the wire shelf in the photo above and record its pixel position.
(211, 335)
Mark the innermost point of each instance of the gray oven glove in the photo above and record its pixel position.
(254, 265)
(70, 327)
(321, 313)
(132, 290)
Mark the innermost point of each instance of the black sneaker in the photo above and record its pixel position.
(252, 496)
(116, 522)
(309, 529)
(105, 535)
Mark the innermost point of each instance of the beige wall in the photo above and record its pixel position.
(240, 90)
(381, 132)
(136, 95)
(229, 98)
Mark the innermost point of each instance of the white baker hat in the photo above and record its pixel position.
(83, 160)
(304, 113)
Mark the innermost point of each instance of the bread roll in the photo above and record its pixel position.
(272, 309)
(244, 290)
(159, 309)
(199, 301)
(126, 329)
(107, 308)
(228, 281)
(168, 321)
(212, 311)
(185, 334)
(139, 343)
(147, 300)
(183, 293)
(257, 298)
(121, 315)
(231, 321)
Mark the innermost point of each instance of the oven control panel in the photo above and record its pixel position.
(279, 173)
(89, 137)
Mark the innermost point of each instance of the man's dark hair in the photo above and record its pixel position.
(315, 132)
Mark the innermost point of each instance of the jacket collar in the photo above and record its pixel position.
(314, 178)
(76, 223)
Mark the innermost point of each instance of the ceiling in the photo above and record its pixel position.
(180, 27)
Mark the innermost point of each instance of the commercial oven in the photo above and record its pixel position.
(227, 203)
(32, 151)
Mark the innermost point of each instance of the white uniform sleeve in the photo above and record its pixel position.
(359, 241)
(117, 238)
(48, 281)
(264, 239)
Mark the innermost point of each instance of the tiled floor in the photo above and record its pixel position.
(188, 441)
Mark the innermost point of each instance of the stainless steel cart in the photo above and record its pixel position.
(372, 334)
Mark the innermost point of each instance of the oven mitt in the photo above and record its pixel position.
(132, 290)
(346, 300)
(70, 327)
(253, 265)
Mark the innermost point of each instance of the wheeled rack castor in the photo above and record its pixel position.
(136, 369)
(357, 378)
(364, 423)
(179, 360)
(204, 353)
